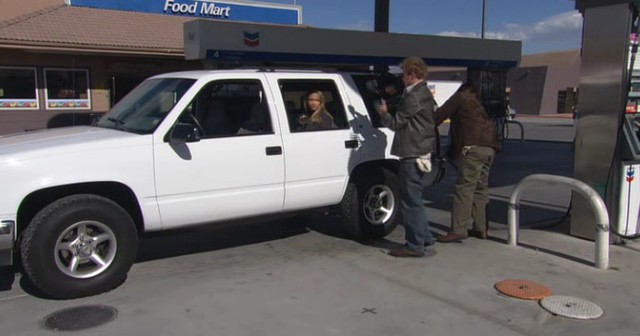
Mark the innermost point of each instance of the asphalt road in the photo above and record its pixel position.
(536, 128)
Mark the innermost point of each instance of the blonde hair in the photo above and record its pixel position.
(415, 66)
(316, 116)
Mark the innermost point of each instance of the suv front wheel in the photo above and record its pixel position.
(371, 204)
(79, 245)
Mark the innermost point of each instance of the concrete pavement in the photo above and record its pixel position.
(302, 277)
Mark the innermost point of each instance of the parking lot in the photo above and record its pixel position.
(301, 276)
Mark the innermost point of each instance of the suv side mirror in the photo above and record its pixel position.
(183, 132)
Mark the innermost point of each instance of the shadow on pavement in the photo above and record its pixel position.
(519, 160)
(7, 278)
(557, 254)
(516, 161)
(540, 211)
(217, 236)
(173, 243)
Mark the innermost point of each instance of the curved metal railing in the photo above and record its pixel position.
(514, 122)
(602, 216)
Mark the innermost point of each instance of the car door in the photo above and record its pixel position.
(236, 169)
(317, 159)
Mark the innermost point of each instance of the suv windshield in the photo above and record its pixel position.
(142, 110)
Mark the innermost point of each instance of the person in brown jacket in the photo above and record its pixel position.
(474, 143)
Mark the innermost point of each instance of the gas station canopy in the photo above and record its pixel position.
(247, 43)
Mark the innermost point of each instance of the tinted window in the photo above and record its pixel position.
(296, 93)
(230, 108)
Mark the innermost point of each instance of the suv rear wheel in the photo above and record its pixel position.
(371, 204)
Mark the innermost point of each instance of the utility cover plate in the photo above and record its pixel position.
(523, 289)
(79, 318)
(571, 307)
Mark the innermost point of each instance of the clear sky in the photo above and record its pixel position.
(541, 25)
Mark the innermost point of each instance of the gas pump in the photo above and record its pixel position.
(607, 143)
(628, 224)
(628, 177)
(492, 84)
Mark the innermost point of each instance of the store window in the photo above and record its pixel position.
(67, 89)
(18, 88)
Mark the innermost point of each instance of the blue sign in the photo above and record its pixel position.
(252, 12)
(263, 56)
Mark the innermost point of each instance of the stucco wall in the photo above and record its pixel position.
(527, 88)
(559, 78)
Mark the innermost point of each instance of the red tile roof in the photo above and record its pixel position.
(78, 28)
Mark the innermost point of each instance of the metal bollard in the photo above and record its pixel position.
(507, 122)
(600, 209)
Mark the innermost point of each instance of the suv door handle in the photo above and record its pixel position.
(351, 144)
(274, 150)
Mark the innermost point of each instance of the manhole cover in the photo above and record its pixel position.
(79, 318)
(523, 289)
(572, 307)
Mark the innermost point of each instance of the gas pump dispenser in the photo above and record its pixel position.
(628, 224)
(492, 84)
(607, 143)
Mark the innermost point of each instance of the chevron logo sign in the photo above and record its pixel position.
(252, 39)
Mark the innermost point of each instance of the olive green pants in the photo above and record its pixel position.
(472, 190)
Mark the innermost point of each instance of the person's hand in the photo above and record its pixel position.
(303, 119)
(383, 108)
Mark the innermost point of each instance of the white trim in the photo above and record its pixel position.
(35, 76)
(46, 90)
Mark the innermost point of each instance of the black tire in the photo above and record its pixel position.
(101, 233)
(360, 198)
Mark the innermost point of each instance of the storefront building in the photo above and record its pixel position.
(542, 84)
(66, 62)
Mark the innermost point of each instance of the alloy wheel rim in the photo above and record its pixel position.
(379, 203)
(85, 249)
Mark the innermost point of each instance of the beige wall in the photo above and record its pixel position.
(534, 89)
(527, 87)
(535, 84)
(559, 78)
(14, 8)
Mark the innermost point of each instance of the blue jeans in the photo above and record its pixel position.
(414, 218)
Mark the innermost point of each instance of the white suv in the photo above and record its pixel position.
(183, 149)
